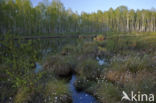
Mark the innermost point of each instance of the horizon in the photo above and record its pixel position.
(90, 7)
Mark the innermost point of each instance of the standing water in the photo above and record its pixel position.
(77, 97)
(38, 67)
(101, 61)
(80, 97)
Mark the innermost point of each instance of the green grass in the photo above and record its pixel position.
(52, 91)
(55, 90)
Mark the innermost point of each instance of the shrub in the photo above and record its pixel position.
(99, 38)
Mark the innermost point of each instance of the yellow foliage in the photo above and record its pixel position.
(99, 38)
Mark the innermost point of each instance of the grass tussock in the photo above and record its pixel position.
(48, 90)
(108, 93)
(57, 92)
(60, 65)
(88, 68)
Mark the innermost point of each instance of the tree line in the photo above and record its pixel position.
(20, 17)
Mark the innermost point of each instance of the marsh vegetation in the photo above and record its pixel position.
(92, 56)
(129, 65)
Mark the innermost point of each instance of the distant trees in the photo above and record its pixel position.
(20, 17)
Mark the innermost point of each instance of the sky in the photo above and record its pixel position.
(90, 6)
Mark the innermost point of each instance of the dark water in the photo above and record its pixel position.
(80, 97)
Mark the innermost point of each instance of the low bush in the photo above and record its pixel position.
(99, 38)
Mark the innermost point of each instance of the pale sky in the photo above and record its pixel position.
(94, 5)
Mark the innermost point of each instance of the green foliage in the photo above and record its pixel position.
(20, 59)
(99, 38)
(18, 16)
